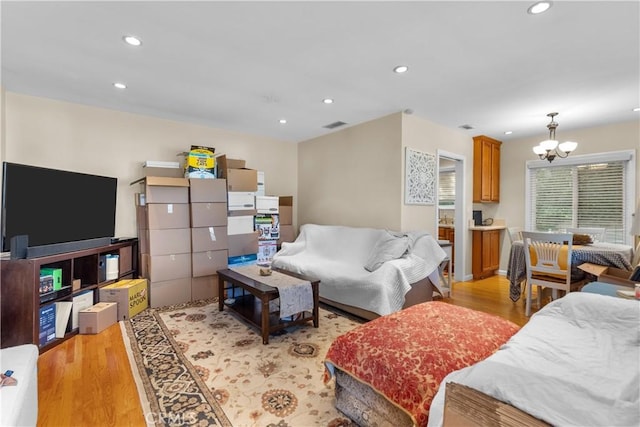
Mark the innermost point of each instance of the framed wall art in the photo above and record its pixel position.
(420, 178)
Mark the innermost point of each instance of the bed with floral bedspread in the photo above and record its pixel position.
(401, 359)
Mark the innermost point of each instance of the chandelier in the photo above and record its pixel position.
(549, 149)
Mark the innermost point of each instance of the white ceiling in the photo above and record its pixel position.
(245, 65)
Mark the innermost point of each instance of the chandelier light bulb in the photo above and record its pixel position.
(568, 146)
(539, 150)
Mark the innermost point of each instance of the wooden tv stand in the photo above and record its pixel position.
(20, 291)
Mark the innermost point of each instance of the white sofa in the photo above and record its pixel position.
(401, 266)
(19, 405)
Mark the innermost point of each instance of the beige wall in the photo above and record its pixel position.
(423, 135)
(353, 176)
(61, 135)
(515, 154)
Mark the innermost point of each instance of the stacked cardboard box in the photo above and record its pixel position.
(209, 240)
(190, 228)
(242, 184)
(285, 209)
(239, 178)
(164, 233)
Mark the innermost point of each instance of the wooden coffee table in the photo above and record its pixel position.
(257, 314)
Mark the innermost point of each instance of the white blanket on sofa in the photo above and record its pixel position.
(337, 254)
(575, 363)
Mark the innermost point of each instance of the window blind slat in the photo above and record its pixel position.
(579, 195)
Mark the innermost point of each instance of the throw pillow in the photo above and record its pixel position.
(387, 248)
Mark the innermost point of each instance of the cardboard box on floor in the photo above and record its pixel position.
(97, 318)
(130, 295)
(605, 274)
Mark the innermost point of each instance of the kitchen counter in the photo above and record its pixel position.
(487, 227)
(498, 224)
(446, 225)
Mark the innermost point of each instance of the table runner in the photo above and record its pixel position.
(296, 295)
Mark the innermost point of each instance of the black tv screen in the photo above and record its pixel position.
(54, 206)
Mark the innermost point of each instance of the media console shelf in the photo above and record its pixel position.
(20, 290)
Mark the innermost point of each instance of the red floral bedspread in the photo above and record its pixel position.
(405, 355)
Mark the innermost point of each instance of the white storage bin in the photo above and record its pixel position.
(241, 200)
(261, 186)
(267, 204)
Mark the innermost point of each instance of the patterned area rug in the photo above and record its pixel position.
(199, 366)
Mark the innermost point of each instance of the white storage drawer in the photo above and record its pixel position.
(239, 225)
(267, 204)
(241, 200)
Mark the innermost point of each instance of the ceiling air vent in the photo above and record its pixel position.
(334, 125)
(467, 127)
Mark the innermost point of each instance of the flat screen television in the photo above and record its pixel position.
(56, 207)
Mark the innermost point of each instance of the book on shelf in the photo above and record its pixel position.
(47, 324)
(63, 312)
(80, 302)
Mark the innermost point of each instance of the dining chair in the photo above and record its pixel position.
(515, 233)
(548, 264)
(596, 233)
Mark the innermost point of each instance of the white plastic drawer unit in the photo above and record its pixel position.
(241, 200)
(239, 225)
(267, 204)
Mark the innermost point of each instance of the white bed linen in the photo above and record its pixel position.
(575, 363)
(337, 255)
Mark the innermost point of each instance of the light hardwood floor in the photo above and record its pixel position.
(87, 380)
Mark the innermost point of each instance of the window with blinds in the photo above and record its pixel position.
(447, 188)
(585, 194)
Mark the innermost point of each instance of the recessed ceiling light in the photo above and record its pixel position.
(283, 121)
(539, 7)
(120, 85)
(132, 40)
(328, 101)
(401, 69)
(636, 109)
(509, 132)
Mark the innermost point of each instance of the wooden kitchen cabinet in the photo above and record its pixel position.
(485, 253)
(448, 233)
(486, 169)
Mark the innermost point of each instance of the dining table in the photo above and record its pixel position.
(601, 253)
